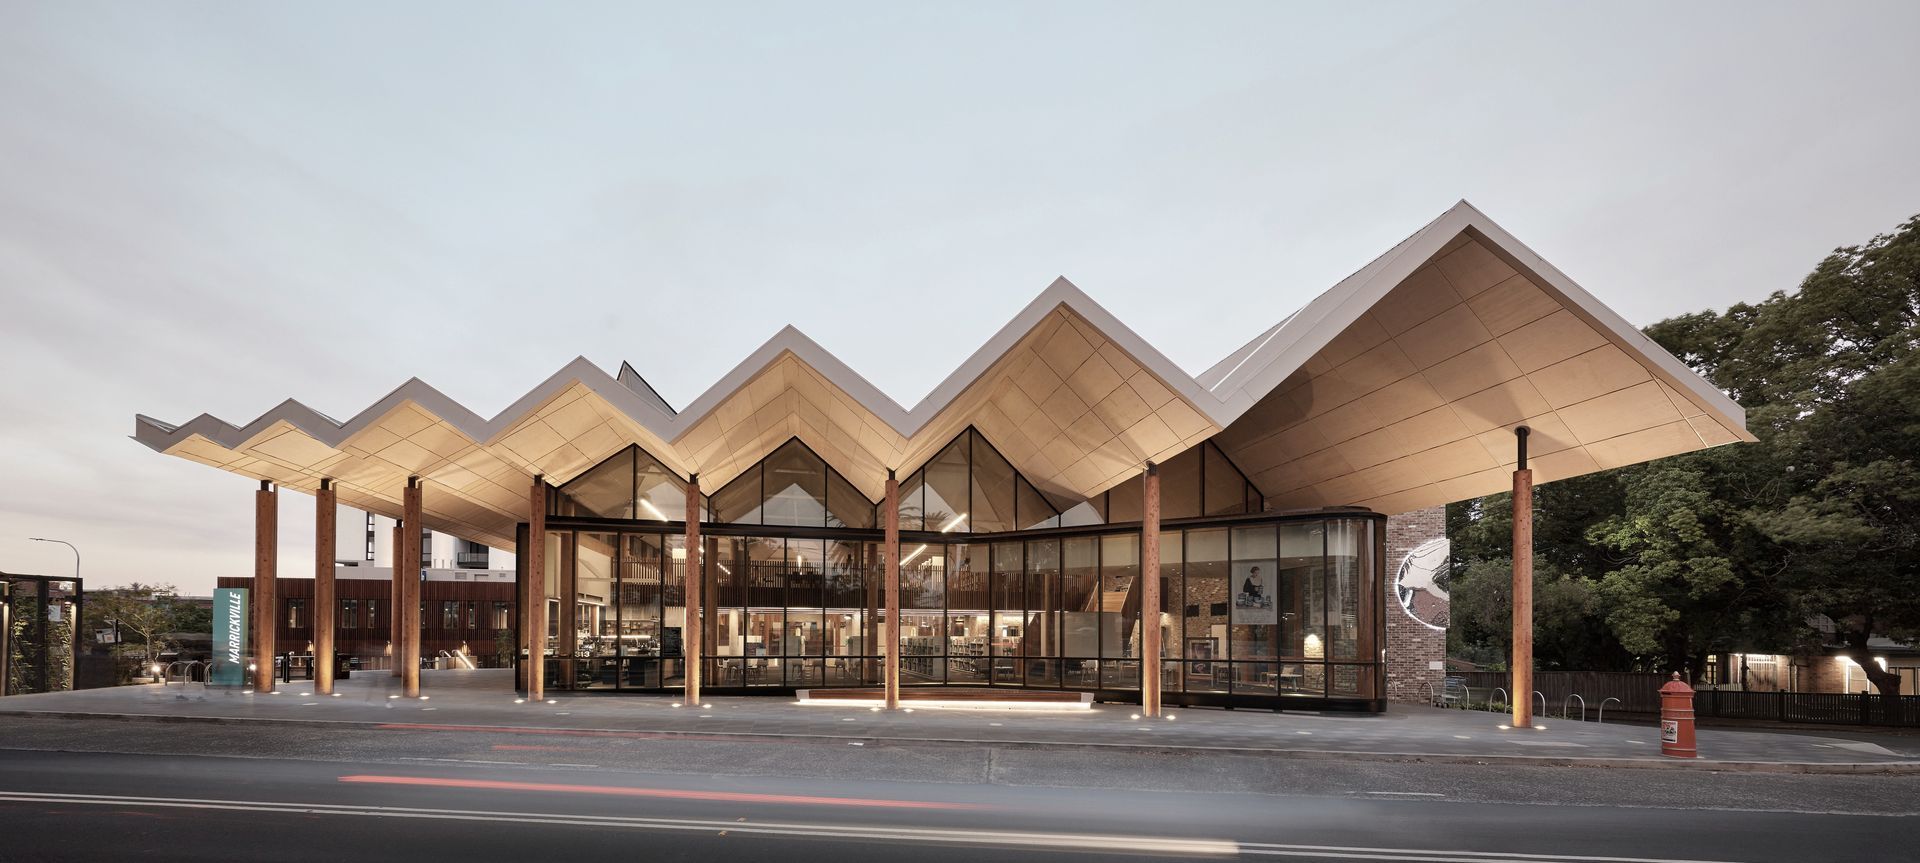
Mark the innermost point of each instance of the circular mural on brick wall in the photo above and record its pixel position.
(1422, 582)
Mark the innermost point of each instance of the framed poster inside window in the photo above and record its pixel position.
(1200, 653)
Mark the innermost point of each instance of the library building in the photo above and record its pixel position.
(1068, 514)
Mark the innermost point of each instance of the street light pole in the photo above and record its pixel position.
(69, 545)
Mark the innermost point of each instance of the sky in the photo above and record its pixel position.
(215, 207)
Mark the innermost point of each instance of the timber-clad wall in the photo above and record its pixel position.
(370, 641)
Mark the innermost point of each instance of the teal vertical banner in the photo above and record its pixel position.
(229, 637)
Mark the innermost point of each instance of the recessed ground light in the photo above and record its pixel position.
(552, 701)
(706, 707)
(1506, 728)
(335, 694)
(909, 710)
(306, 695)
(393, 696)
(873, 710)
(676, 704)
(1171, 717)
(1134, 716)
(425, 697)
(519, 701)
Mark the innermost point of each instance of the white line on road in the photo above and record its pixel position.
(1079, 841)
(465, 761)
(1440, 856)
(1083, 841)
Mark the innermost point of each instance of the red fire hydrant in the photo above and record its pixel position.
(1676, 719)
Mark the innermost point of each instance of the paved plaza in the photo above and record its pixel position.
(485, 699)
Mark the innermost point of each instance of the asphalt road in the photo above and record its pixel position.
(154, 791)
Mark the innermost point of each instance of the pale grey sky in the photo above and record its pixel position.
(213, 207)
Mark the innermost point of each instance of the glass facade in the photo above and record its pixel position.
(995, 591)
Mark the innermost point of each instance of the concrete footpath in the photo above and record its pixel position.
(485, 699)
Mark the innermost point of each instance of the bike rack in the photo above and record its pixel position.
(1543, 703)
(1503, 698)
(1568, 714)
(186, 668)
(1603, 710)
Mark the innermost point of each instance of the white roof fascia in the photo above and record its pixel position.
(1222, 394)
(1674, 372)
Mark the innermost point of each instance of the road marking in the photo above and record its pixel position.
(672, 793)
(1440, 856)
(962, 836)
(1407, 793)
(1082, 841)
(462, 761)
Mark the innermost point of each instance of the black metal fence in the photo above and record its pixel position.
(1639, 693)
(1813, 707)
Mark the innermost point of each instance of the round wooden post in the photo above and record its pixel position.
(1522, 695)
(691, 632)
(325, 511)
(266, 551)
(1150, 593)
(890, 645)
(533, 618)
(410, 591)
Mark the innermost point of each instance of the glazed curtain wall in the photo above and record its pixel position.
(1254, 608)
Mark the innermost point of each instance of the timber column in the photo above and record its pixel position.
(410, 593)
(533, 618)
(690, 633)
(266, 561)
(1522, 586)
(891, 553)
(393, 600)
(324, 512)
(1150, 593)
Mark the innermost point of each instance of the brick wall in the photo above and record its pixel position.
(1412, 647)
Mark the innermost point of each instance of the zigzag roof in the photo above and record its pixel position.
(1393, 389)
